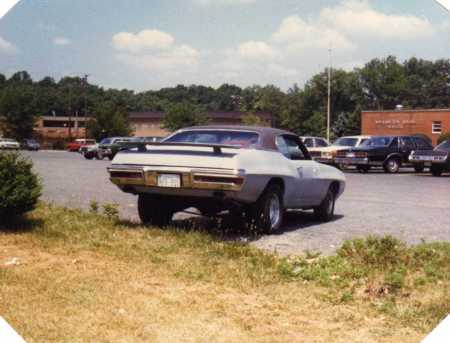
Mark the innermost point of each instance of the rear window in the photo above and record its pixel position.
(239, 138)
(346, 141)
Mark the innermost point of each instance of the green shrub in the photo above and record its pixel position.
(20, 188)
(443, 137)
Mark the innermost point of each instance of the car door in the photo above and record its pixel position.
(406, 146)
(300, 188)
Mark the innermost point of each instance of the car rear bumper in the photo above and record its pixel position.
(193, 182)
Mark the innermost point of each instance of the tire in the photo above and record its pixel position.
(419, 168)
(88, 156)
(436, 170)
(325, 211)
(110, 157)
(100, 155)
(363, 169)
(154, 210)
(267, 214)
(392, 165)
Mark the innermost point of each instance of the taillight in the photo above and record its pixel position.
(219, 179)
(126, 174)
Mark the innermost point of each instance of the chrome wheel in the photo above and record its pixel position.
(274, 210)
(392, 165)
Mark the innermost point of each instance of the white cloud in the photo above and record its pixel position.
(255, 50)
(146, 39)
(153, 50)
(7, 47)
(61, 41)
(223, 2)
(360, 19)
(299, 35)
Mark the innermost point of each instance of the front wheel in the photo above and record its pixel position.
(418, 168)
(392, 165)
(154, 210)
(267, 213)
(436, 170)
(325, 211)
(363, 169)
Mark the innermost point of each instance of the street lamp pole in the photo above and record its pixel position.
(329, 98)
(85, 103)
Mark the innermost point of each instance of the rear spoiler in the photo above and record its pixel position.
(217, 148)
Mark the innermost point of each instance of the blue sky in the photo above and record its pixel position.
(149, 44)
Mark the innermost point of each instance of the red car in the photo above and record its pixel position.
(78, 143)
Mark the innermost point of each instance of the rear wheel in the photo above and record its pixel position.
(154, 210)
(392, 165)
(418, 168)
(436, 170)
(267, 213)
(325, 211)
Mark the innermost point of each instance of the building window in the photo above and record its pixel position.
(436, 127)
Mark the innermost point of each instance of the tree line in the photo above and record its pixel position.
(380, 84)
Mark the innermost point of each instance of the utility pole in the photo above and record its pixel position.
(329, 98)
(85, 103)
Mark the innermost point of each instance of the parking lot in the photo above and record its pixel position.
(412, 207)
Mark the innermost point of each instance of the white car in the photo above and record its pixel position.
(257, 172)
(8, 143)
(314, 142)
(328, 154)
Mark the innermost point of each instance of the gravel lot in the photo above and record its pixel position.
(409, 206)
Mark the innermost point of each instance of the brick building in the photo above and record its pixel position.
(49, 129)
(403, 122)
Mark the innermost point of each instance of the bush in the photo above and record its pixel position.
(443, 137)
(20, 188)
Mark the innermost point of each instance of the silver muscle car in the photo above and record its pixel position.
(256, 172)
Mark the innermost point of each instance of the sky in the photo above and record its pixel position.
(150, 44)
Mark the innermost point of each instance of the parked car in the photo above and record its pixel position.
(388, 152)
(78, 143)
(30, 144)
(258, 173)
(437, 159)
(327, 154)
(89, 151)
(314, 142)
(109, 147)
(9, 144)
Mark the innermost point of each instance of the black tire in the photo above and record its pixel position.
(419, 168)
(267, 214)
(392, 165)
(436, 170)
(363, 169)
(154, 210)
(88, 156)
(325, 211)
(110, 157)
(99, 155)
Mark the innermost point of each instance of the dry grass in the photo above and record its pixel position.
(83, 278)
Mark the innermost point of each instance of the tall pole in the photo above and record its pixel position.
(85, 103)
(329, 98)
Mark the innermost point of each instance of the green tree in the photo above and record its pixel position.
(109, 121)
(251, 119)
(182, 115)
(17, 106)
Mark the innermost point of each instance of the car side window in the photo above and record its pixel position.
(321, 143)
(394, 143)
(308, 142)
(407, 143)
(292, 148)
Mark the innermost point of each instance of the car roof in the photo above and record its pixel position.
(267, 134)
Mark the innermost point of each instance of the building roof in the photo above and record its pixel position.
(405, 110)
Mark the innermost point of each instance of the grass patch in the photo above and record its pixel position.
(88, 277)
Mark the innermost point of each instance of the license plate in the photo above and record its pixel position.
(350, 155)
(169, 180)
